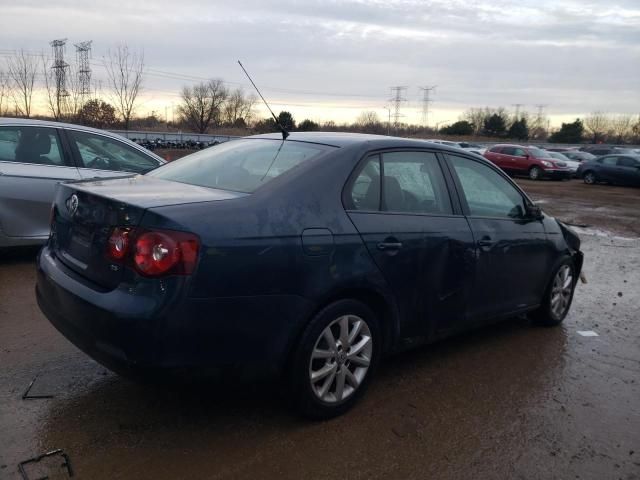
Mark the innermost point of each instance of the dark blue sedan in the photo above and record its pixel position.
(308, 258)
(622, 169)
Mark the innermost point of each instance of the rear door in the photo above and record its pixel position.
(400, 204)
(513, 255)
(103, 156)
(32, 162)
(608, 168)
(628, 171)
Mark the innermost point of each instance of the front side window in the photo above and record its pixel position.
(104, 153)
(487, 193)
(240, 165)
(34, 145)
(611, 161)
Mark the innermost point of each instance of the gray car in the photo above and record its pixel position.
(36, 155)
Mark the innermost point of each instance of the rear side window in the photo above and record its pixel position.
(240, 165)
(104, 153)
(626, 162)
(34, 145)
(487, 193)
(496, 150)
(401, 182)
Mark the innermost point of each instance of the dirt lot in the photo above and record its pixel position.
(510, 401)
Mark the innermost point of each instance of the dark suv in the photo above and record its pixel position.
(530, 161)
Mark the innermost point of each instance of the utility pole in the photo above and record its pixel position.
(60, 69)
(398, 99)
(426, 92)
(389, 120)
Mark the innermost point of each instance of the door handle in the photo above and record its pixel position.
(485, 242)
(386, 246)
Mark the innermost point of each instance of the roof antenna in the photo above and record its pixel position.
(285, 134)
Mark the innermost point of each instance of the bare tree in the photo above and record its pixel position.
(238, 108)
(124, 72)
(597, 123)
(368, 121)
(55, 101)
(621, 127)
(202, 104)
(22, 69)
(4, 91)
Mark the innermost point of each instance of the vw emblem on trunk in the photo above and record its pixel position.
(72, 204)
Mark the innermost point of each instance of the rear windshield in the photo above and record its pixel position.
(240, 165)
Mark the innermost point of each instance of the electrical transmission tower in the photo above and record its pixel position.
(60, 69)
(426, 100)
(398, 99)
(83, 53)
(540, 115)
(517, 105)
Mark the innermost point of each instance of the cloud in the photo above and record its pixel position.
(574, 56)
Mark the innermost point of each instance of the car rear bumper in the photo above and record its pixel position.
(123, 329)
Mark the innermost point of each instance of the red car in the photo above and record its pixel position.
(530, 161)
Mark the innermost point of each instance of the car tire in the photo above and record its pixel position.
(558, 296)
(535, 173)
(327, 378)
(589, 177)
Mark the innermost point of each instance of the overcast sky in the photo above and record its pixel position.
(333, 59)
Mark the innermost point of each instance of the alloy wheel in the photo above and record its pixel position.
(534, 173)
(340, 359)
(589, 178)
(561, 291)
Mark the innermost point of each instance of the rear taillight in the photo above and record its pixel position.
(155, 252)
(118, 244)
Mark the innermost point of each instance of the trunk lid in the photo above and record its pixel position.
(85, 214)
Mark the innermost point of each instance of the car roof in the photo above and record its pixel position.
(52, 124)
(344, 139)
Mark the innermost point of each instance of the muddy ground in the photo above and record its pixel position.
(511, 401)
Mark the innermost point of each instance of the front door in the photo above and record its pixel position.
(512, 250)
(402, 209)
(32, 162)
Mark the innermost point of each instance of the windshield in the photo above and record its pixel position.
(539, 153)
(240, 165)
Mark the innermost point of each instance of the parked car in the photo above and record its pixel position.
(472, 147)
(309, 257)
(578, 156)
(560, 149)
(617, 169)
(36, 155)
(599, 150)
(530, 161)
(572, 164)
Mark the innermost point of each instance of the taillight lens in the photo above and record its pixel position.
(157, 252)
(163, 252)
(118, 244)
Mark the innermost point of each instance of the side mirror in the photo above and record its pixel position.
(534, 211)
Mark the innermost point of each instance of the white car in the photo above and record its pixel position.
(572, 164)
(469, 147)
